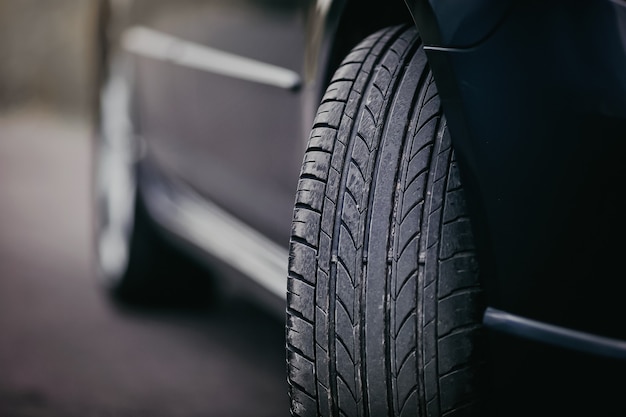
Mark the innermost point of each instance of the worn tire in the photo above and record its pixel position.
(384, 302)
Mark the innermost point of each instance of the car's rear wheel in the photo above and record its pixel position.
(384, 302)
(134, 261)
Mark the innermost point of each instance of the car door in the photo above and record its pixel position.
(219, 103)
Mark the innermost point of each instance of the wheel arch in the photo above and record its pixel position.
(342, 24)
(359, 19)
(333, 28)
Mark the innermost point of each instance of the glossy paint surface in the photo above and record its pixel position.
(538, 121)
(237, 142)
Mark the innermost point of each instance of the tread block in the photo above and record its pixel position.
(297, 327)
(457, 237)
(311, 193)
(456, 350)
(461, 271)
(305, 226)
(329, 114)
(301, 298)
(456, 388)
(406, 378)
(302, 404)
(458, 311)
(347, 71)
(301, 372)
(302, 261)
(339, 90)
(314, 165)
(322, 138)
(454, 206)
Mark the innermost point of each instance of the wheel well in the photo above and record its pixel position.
(359, 19)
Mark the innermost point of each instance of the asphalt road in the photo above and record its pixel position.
(66, 350)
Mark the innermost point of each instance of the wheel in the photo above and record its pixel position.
(384, 302)
(134, 261)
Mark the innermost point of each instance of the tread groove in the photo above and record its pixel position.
(301, 241)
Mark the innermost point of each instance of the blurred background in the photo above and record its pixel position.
(45, 54)
(65, 349)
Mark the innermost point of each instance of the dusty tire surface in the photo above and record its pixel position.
(384, 301)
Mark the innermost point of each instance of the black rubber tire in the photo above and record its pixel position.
(384, 302)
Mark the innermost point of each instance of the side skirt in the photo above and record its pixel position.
(511, 324)
(216, 233)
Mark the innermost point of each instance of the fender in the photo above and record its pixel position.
(522, 104)
(322, 21)
(333, 28)
(457, 24)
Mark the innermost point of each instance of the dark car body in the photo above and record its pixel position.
(535, 97)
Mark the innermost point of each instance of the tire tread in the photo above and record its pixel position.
(428, 237)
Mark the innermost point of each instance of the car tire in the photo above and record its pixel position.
(384, 300)
(135, 261)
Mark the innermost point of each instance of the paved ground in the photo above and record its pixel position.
(65, 351)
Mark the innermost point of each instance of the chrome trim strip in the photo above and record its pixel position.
(217, 232)
(555, 335)
(158, 45)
